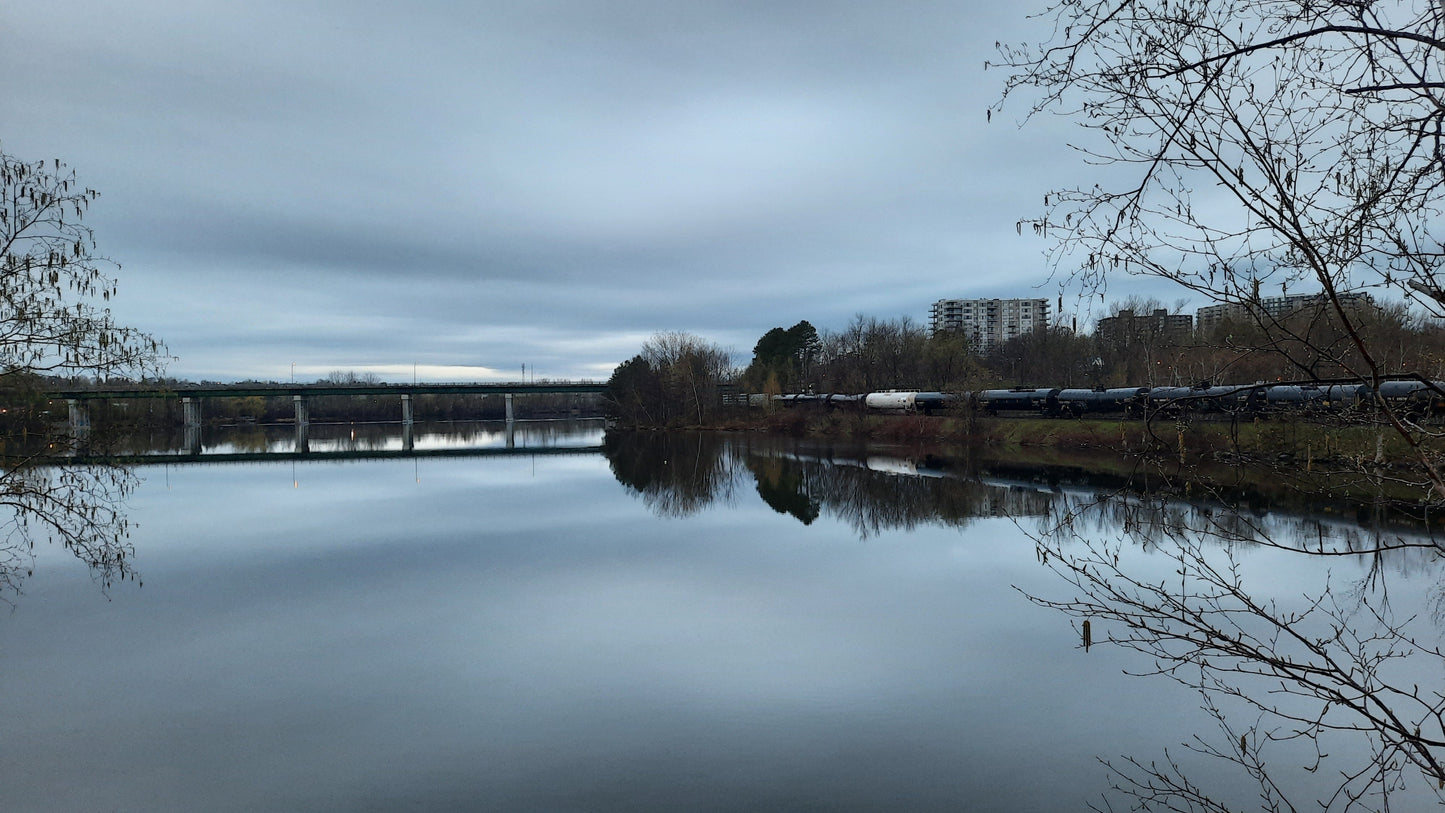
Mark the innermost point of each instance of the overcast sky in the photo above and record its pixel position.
(474, 186)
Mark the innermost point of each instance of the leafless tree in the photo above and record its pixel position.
(1242, 148)
(676, 379)
(53, 286)
(54, 321)
(871, 354)
(1253, 145)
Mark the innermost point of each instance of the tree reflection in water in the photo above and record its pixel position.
(785, 488)
(1337, 680)
(678, 474)
(675, 473)
(80, 507)
(1327, 688)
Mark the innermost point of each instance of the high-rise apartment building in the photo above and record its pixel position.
(1127, 327)
(989, 322)
(1271, 306)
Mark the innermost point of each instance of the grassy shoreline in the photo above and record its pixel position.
(1348, 462)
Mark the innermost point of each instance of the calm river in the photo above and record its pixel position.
(672, 623)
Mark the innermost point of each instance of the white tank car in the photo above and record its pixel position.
(892, 401)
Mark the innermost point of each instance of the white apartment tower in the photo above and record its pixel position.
(989, 322)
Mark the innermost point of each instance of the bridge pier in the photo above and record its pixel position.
(408, 442)
(303, 410)
(193, 439)
(79, 417)
(508, 396)
(303, 422)
(191, 407)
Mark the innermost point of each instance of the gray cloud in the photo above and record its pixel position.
(367, 183)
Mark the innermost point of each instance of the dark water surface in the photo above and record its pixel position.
(665, 627)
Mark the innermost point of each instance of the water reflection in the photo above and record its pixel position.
(80, 508)
(340, 440)
(875, 489)
(504, 637)
(73, 491)
(676, 474)
(524, 633)
(1324, 689)
(786, 488)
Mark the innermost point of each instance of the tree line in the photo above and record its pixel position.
(681, 379)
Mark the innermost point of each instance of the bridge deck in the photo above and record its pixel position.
(329, 389)
(191, 458)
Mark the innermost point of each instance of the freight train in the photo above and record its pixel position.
(1414, 397)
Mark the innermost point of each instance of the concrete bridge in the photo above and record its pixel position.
(191, 399)
(191, 458)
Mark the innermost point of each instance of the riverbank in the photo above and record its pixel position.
(1345, 460)
(1191, 441)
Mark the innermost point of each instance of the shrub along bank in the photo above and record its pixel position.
(1301, 445)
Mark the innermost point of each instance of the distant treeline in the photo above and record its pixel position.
(1309, 343)
(680, 379)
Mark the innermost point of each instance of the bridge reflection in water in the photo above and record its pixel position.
(351, 441)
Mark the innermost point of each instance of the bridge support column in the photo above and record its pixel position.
(303, 422)
(406, 409)
(193, 439)
(79, 417)
(408, 440)
(508, 396)
(303, 409)
(191, 407)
